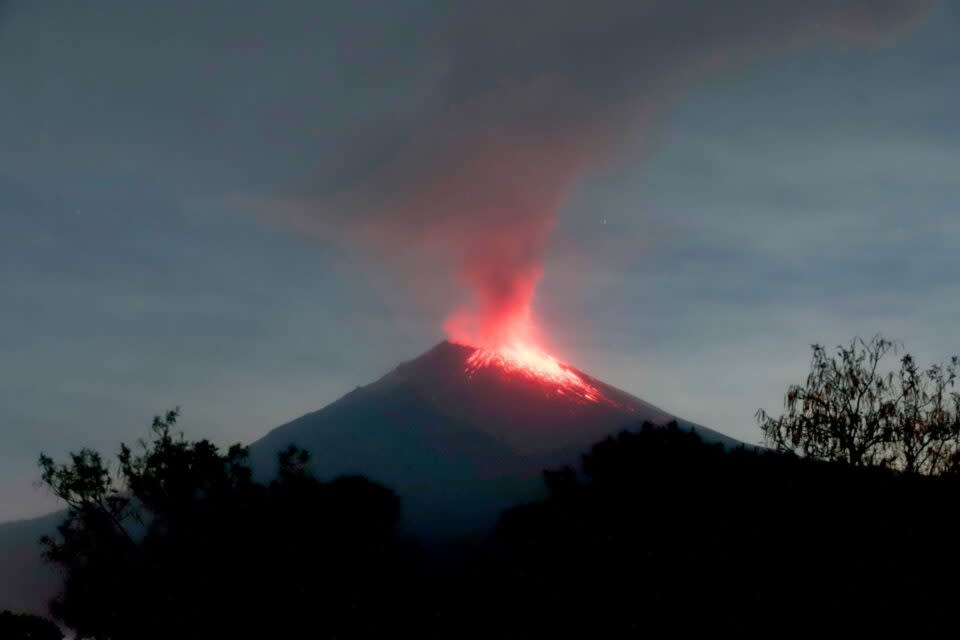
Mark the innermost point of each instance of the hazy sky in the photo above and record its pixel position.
(249, 208)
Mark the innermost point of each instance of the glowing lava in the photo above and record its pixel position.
(533, 363)
(499, 323)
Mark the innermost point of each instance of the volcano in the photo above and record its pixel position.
(459, 433)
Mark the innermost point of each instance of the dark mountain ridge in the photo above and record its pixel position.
(458, 446)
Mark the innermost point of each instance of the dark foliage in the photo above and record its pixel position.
(661, 532)
(850, 410)
(22, 626)
(657, 534)
(182, 543)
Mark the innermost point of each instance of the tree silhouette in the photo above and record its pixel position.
(180, 541)
(655, 532)
(659, 533)
(23, 626)
(849, 410)
(926, 432)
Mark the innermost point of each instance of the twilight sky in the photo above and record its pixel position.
(249, 208)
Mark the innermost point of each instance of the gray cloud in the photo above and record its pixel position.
(730, 176)
(537, 97)
(293, 95)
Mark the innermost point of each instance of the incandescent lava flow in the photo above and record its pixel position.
(500, 331)
(533, 363)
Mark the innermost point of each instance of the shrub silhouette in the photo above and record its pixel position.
(662, 533)
(181, 542)
(22, 626)
(656, 532)
(849, 410)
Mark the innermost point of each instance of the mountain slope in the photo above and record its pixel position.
(26, 581)
(458, 441)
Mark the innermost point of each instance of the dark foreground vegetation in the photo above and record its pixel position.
(21, 626)
(656, 532)
(665, 532)
(181, 542)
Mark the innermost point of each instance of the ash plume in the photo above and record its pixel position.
(532, 97)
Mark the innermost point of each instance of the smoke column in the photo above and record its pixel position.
(492, 202)
(532, 97)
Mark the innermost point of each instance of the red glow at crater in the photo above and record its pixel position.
(533, 363)
(499, 326)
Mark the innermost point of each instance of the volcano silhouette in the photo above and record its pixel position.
(457, 445)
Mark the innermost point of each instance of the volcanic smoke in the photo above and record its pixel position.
(506, 193)
(500, 326)
(503, 276)
(528, 107)
(484, 206)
